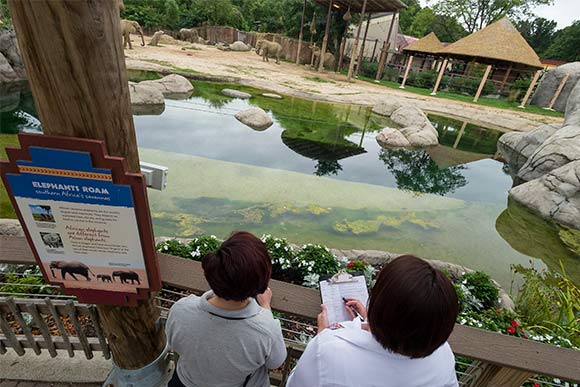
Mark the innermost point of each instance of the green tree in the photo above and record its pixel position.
(447, 28)
(407, 15)
(422, 23)
(171, 14)
(476, 14)
(538, 32)
(566, 44)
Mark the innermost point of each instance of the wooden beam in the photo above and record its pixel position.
(386, 47)
(482, 83)
(407, 68)
(505, 77)
(439, 77)
(326, 37)
(458, 139)
(355, 44)
(341, 54)
(496, 376)
(362, 48)
(530, 89)
(558, 91)
(76, 69)
(301, 33)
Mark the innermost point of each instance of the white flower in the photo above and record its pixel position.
(165, 247)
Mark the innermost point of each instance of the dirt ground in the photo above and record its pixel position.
(299, 80)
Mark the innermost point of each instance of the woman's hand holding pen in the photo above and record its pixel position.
(353, 303)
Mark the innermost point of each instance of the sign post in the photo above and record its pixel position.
(76, 68)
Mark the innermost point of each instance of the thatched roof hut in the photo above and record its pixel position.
(498, 42)
(430, 45)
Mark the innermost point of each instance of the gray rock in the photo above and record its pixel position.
(11, 227)
(517, 147)
(409, 116)
(558, 150)
(271, 95)
(11, 65)
(554, 196)
(7, 73)
(146, 99)
(546, 89)
(236, 94)
(172, 86)
(255, 118)
(386, 108)
(573, 107)
(390, 137)
(239, 46)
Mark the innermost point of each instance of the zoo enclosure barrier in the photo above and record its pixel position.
(484, 358)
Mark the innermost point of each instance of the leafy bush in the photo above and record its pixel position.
(282, 255)
(424, 79)
(174, 247)
(315, 259)
(203, 245)
(478, 291)
(391, 74)
(518, 89)
(369, 69)
(497, 320)
(17, 283)
(469, 86)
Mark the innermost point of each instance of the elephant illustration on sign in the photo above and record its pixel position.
(104, 277)
(129, 27)
(268, 49)
(52, 240)
(71, 268)
(126, 276)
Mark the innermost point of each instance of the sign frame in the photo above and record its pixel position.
(117, 166)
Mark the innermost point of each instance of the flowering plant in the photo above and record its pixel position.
(281, 253)
(203, 245)
(174, 247)
(315, 259)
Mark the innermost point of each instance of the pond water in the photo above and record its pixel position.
(318, 175)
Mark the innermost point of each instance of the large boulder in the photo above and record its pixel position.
(236, 94)
(146, 99)
(416, 129)
(408, 116)
(555, 195)
(11, 65)
(386, 108)
(546, 89)
(239, 46)
(255, 118)
(172, 86)
(573, 107)
(7, 73)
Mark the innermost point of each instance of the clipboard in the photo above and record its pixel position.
(346, 285)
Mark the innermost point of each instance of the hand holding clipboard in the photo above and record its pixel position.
(343, 286)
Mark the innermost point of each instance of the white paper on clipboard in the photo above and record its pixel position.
(332, 294)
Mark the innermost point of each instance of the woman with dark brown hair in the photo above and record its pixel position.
(412, 311)
(226, 338)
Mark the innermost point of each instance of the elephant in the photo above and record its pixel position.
(129, 27)
(328, 58)
(189, 35)
(155, 39)
(104, 278)
(125, 276)
(71, 268)
(268, 48)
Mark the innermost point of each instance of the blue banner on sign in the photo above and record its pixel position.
(49, 177)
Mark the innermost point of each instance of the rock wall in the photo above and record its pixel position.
(11, 65)
(547, 88)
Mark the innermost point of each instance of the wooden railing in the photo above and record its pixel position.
(501, 360)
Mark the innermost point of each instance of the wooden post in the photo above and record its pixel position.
(505, 77)
(470, 67)
(530, 89)
(374, 50)
(301, 33)
(326, 37)
(497, 376)
(482, 84)
(341, 54)
(558, 91)
(362, 48)
(355, 44)
(409, 62)
(385, 50)
(76, 68)
(439, 77)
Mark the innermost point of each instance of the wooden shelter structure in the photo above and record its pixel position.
(426, 49)
(362, 6)
(501, 48)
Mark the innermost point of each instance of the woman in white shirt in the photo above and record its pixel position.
(412, 311)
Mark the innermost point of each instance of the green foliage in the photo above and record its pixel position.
(538, 32)
(315, 259)
(369, 69)
(390, 74)
(357, 266)
(172, 16)
(281, 253)
(565, 44)
(5, 19)
(469, 86)
(31, 277)
(480, 286)
(203, 245)
(424, 79)
(496, 320)
(518, 88)
(174, 247)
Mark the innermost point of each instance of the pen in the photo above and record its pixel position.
(353, 309)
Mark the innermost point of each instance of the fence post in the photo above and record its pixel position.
(558, 91)
(482, 84)
(355, 43)
(385, 50)
(325, 39)
(409, 62)
(76, 68)
(301, 33)
(529, 92)
(439, 76)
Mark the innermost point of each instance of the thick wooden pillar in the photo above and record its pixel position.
(482, 83)
(341, 54)
(76, 69)
(362, 48)
(301, 33)
(558, 91)
(326, 37)
(439, 77)
(530, 89)
(386, 47)
(355, 44)
(409, 63)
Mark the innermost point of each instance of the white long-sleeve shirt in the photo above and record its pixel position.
(351, 357)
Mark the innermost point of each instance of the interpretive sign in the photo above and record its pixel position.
(86, 219)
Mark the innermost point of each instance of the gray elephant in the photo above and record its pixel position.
(189, 35)
(126, 276)
(328, 58)
(71, 268)
(129, 27)
(268, 49)
(156, 37)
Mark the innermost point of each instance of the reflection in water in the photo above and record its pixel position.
(465, 136)
(416, 171)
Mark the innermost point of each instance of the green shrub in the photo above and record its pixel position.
(369, 69)
(18, 283)
(203, 245)
(390, 74)
(424, 79)
(496, 320)
(174, 247)
(480, 286)
(469, 86)
(518, 89)
(315, 259)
